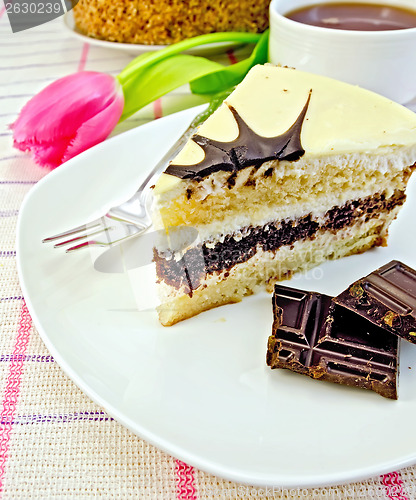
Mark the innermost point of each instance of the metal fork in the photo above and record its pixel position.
(131, 218)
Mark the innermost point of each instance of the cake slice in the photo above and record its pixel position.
(293, 169)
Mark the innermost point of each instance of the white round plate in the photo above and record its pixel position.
(137, 49)
(201, 390)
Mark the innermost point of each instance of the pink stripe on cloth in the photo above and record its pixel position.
(157, 109)
(84, 55)
(185, 481)
(12, 389)
(2, 11)
(394, 486)
(231, 56)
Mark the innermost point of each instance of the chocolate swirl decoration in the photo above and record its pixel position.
(248, 149)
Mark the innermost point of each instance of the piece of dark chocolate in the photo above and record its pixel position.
(387, 298)
(316, 337)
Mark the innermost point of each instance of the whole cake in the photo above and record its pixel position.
(161, 22)
(293, 169)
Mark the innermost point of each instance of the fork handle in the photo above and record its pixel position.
(134, 209)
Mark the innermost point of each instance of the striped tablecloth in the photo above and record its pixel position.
(54, 441)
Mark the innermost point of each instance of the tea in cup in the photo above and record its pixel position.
(370, 43)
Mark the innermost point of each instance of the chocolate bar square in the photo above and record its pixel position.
(387, 298)
(316, 337)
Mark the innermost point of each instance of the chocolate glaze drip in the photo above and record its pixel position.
(201, 260)
(248, 149)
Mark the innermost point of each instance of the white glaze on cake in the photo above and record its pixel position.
(341, 118)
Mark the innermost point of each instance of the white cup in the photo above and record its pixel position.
(382, 61)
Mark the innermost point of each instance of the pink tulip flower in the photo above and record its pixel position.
(81, 110)
(69, 116)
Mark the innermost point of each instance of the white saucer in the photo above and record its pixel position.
(137, 49)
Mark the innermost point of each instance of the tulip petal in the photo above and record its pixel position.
(45, 154)
(96, 129)
(50, 154)
(55, 119)
(60, 108)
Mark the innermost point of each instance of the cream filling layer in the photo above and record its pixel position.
(237, 225)
(264, 266)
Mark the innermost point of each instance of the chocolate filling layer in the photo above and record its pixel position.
(201, 260)
(248, 149)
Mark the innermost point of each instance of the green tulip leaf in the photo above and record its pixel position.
(229, 76)
(149, 58)
(152, 82)
(154, 74)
